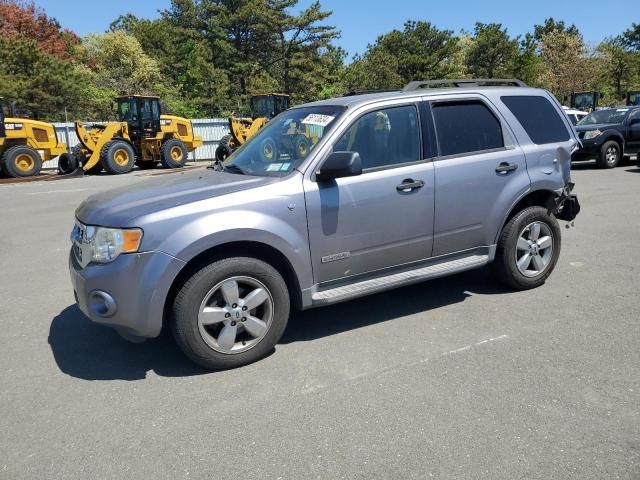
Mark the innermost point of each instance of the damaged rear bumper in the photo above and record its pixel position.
(567, 204)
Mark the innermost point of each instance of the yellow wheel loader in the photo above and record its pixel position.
(25, 144)
(263, 108)
(142, 136)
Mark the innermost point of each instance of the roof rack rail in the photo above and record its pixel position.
(464, 82)
(364, 92)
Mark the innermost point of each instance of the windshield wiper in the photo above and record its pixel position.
(233, 169)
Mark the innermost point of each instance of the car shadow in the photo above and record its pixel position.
(633, 170)
(427, 296)
(584, 165)
(85, 350)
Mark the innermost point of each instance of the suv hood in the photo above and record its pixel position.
(116, 208)
(594, 126)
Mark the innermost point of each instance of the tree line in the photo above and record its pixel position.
(206, 57)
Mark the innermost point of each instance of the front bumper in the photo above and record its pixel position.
(127, 294)
(590, 150)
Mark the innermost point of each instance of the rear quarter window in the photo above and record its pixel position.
(538, 117)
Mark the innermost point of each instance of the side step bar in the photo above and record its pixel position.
(406, 277)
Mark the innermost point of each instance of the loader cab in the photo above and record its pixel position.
(142, 113)
(269, 105)
(633, 98)
(585, 101)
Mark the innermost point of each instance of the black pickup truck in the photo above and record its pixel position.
(608, 135)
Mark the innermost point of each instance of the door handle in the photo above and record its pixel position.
(505, 168)
(409, 185)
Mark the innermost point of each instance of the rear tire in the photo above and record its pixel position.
(117, 157)
(67, 163)
(301, 147)
(610, 155)
(173, 153)
(225, 148)
(21, 161)
(528, 249)
(210, 322)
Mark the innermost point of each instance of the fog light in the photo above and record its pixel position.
(102, 304)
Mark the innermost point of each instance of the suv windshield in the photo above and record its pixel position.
(284, 143)
(605, 116)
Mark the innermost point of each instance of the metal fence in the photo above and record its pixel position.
(210, 129)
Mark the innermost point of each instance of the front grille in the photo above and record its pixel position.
(80, 245)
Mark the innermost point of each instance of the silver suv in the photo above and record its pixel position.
(332, 200)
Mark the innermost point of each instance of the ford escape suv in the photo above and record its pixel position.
(332, 200)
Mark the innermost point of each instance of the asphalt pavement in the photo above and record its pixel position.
(454, 378)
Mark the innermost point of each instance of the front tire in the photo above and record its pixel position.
(528, 249)
(610, 155)
(117, 157)
(230, 313)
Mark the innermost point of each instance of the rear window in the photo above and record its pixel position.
(466, 127)
(538, 117)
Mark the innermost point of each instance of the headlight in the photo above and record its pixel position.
(591, 134)
(104, 245)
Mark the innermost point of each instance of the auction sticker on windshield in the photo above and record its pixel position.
(318, 119)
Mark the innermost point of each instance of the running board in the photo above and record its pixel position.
(406, 277)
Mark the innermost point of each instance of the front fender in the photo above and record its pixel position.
(607, 135)
(289, 241)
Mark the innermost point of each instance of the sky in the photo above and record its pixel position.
(361, 21)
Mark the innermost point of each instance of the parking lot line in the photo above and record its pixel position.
(58, 191)
(386, 371)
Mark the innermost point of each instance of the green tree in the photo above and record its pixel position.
(41, 84)
(120, 64)
(527, 63)
(631, 37)
(564, 66)
(550, 25)
(185, 62)
(299, 40)
(620, 66)
(493, 52)
(419, 52)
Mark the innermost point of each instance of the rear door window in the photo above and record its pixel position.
(466, 127)
(538, 117)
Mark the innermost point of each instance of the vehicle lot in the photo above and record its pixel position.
(455, 378)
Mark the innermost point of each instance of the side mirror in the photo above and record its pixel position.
(338, 165)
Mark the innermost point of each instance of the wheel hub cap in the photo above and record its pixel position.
(24, 162)
(534, 249)
(121, 157)
(176, 154)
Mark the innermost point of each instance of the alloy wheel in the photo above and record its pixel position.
(534, 249)
(235, 315)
